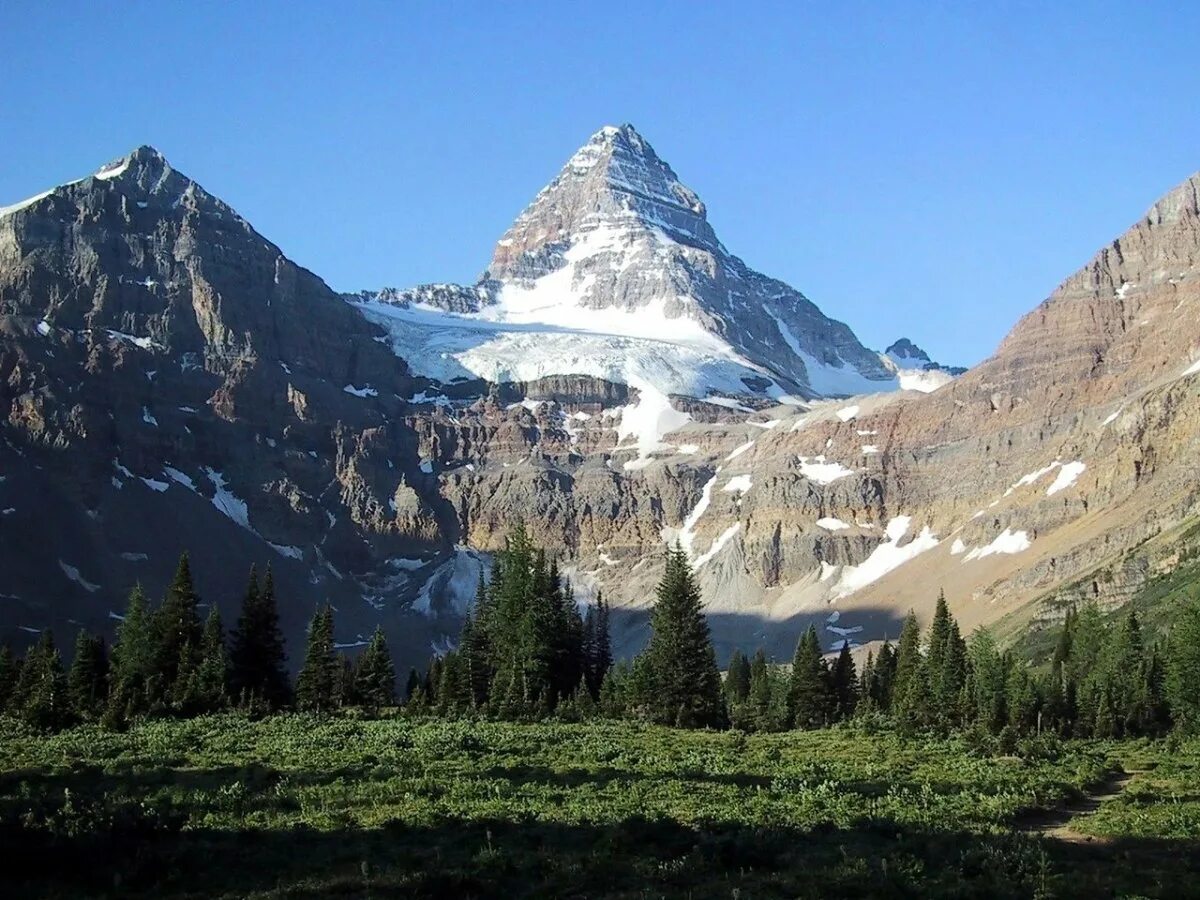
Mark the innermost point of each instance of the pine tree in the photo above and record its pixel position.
(737, 680)
(131, 670)
(178, 633)
(257, 657)
(412, 685)
(866, 683)
(9, 672)
(87, 680)
(454, 695)
(883, 681)
(844, 680)
(809, 696)
(212, 677)
(40, 695)
(1123, 671)
(681, 665)
(945, 666)
(597, 645)
(910, 693)
(989, 678)
(759, 696)
(1020, 698)
(1183, 668)
(317, 683)
(375, 677)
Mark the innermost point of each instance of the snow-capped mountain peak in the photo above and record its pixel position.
(614, 272)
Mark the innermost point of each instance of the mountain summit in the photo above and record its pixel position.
(614, 273)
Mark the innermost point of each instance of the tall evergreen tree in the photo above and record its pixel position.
(9, 672)
(87, 680)
(258, 661)
(212, 676)
(131, 669)
(910, 692)
(759, 706)
(737, 680)
(681, 665)
(597, 645)
(809, 697)
(883, 678)
(178, 633)
(989, 678)
(375, 676)
(1183, 668)
(412, 685)
(319, 678)
(945, 666)
(40, 695)
(844, 682)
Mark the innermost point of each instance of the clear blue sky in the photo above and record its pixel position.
(922, 169)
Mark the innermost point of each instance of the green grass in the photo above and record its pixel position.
(1162, 801)
(295, 806)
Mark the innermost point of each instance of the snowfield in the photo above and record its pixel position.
(1006, 542)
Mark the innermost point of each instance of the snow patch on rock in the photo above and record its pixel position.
(885, 558)
(1006, 542)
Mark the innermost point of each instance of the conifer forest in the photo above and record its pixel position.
(529, 760)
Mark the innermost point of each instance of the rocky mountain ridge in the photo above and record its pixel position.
(170, 379)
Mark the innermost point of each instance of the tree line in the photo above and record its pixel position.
(526, 650)
(166, 661)
(1106, 680)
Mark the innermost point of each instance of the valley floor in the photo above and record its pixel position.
(294, 806)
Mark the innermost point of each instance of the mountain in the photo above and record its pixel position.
(914, 370)
(614, 273)
(170, 379)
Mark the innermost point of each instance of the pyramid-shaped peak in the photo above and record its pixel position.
(616, 141)
(139, 159)
(613, 183)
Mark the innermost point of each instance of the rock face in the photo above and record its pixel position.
(614, 272)
(170, 380)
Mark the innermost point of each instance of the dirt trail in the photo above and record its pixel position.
(1057, 823)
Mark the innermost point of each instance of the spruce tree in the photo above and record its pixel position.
(809, 698)
(317, 683)
(40, 696)
(989, 678)
(375, 677)
(866, 683)
(758, 705)
(131, 670)
(87, 679)
(910, 692)
(412, 685)
(212, 677)
(737, 680)
(681, 665)
(9, 671)
(844, 679)
(1183, 668)
(883, 679)
(945, 666)
(257, 656)
(178, 633)
(598, 645)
